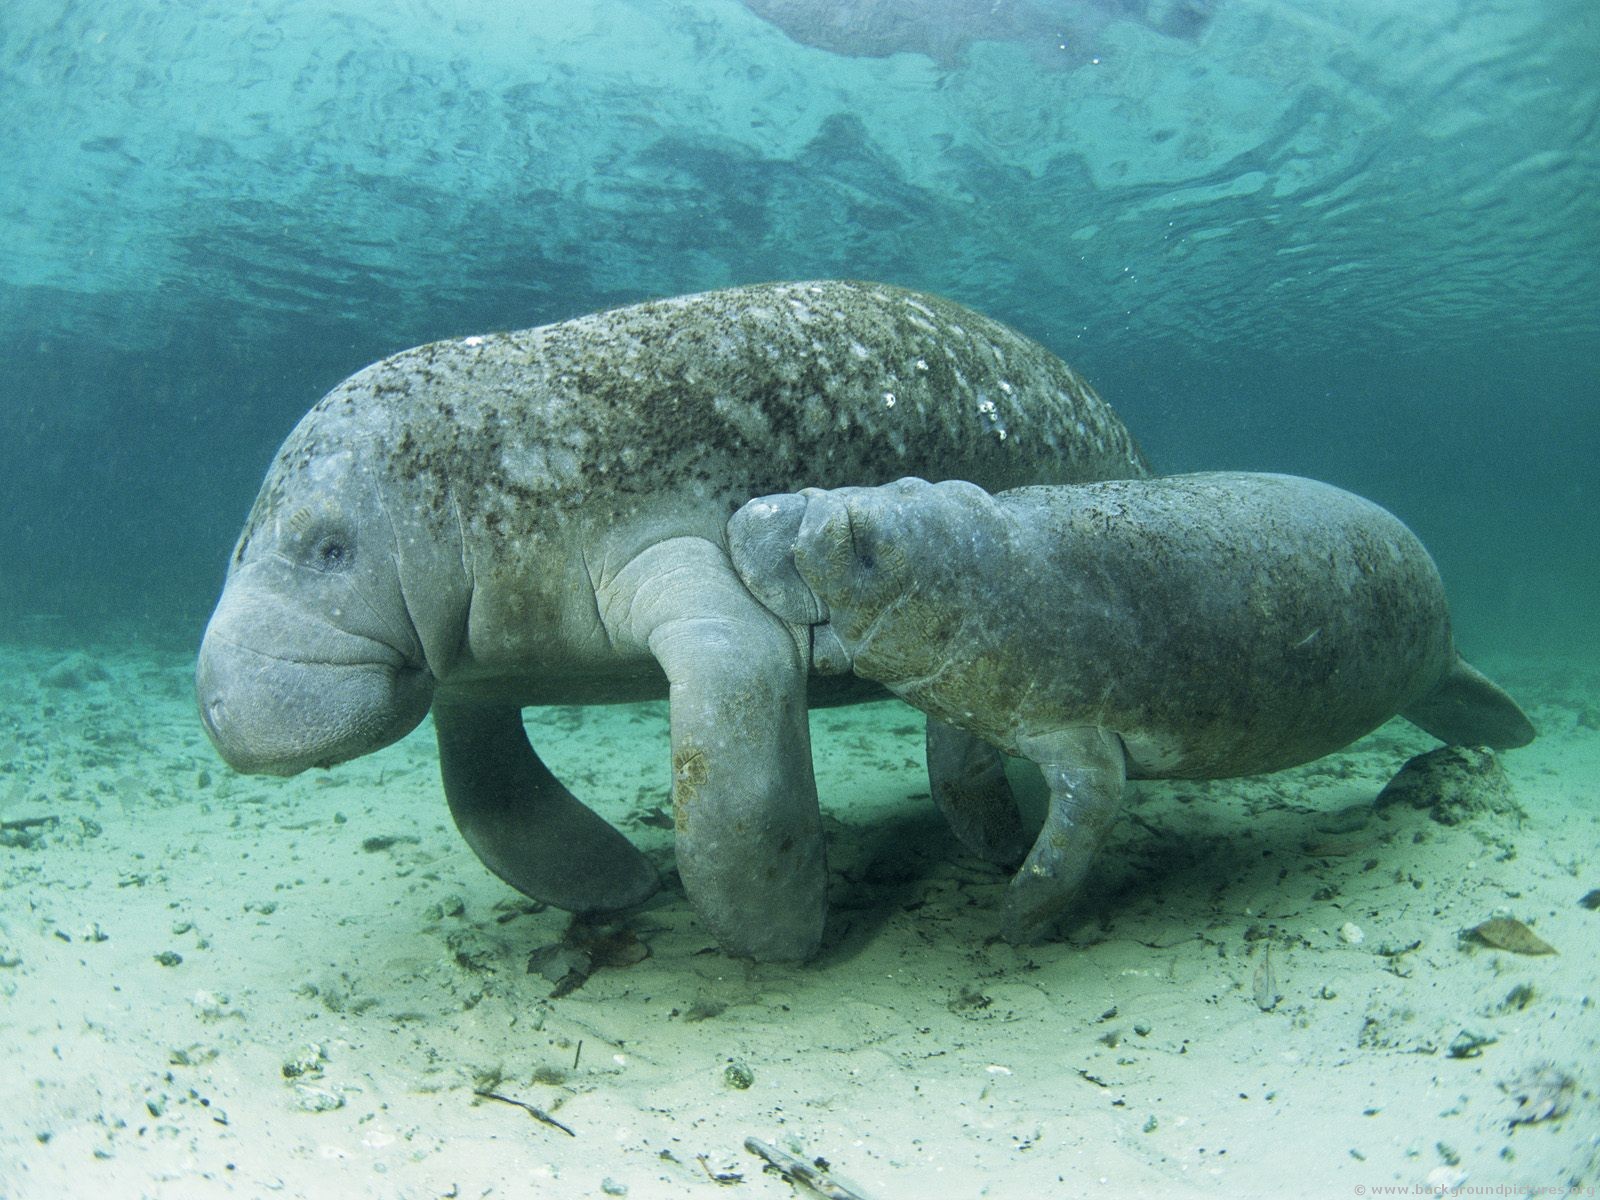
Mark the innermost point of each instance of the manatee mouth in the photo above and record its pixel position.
(268, 715)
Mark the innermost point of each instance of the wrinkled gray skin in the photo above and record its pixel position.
(539, 518)
(1197, 626)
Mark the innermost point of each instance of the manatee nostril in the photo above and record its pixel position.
(862, 541)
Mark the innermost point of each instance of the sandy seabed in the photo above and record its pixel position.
(213, 985)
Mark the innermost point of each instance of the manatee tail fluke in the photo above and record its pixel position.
(1467, 708)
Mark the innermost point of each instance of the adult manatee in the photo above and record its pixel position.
(540, 517)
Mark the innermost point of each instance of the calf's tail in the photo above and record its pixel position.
(1467, 708)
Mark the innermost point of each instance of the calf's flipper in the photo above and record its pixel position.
(1085, 770)
(967, 777)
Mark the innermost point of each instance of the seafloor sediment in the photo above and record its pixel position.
(215, 985)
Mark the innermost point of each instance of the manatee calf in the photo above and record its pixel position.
(1196, 626)
(539, 517)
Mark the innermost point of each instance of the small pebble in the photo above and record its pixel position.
(307, 1062)
(1468, 1044)
(1350, 934)
(209, 1005)
(317, 1100)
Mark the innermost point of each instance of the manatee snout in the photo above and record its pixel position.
(826, 561)
(839, 555)
(860, 548)
(832, 547)
(319, 696)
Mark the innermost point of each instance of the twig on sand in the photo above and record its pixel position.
(538, 1114)
(798, 1170)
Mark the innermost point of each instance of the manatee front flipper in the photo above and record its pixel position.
(1085, 770)
(968, 780)
(525, 826)
(1467, 708)
(750, 847)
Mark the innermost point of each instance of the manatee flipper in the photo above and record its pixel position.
(1085, 769)
(744, 801)
(761, 538)
(968, 780)
(1467, 708)
(524, 824)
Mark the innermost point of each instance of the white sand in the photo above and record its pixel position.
(919, 1056)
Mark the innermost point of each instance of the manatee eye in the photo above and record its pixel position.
(333, 553)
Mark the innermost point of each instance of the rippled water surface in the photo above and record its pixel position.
(1353, 239)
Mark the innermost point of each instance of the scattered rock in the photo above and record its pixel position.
(1387, 1031)
(968, 1000)
(471, 951)
(74, 673)
(704, 1010)
(1541, 1093)
(1349, 819)
(1467, 1044)
(1508, 933)
(339, 995)
(317, 1099)
(1591, 900)
(450, 906)
(1518, 998)
(212, 1007)
(27, 833)
(558, 963)
(306, 1063)
(1351, 934)
(738, 1076)
(388, 841)
(1452, 784)
(195, 1054)
(505, 911)
(582, 950)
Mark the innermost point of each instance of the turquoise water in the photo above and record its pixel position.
(1354, 240)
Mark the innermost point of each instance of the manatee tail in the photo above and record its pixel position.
(1467, 708)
